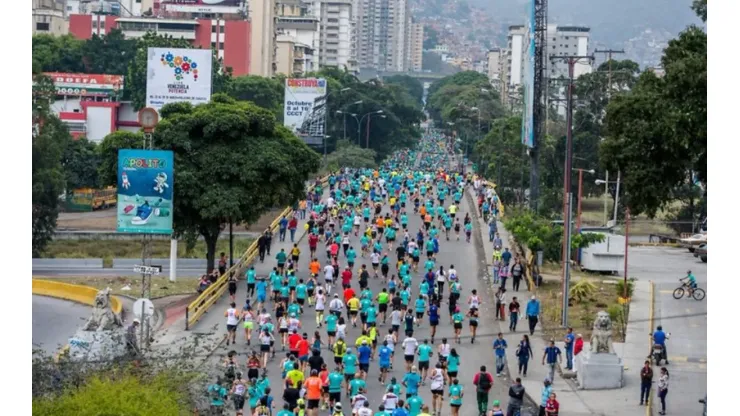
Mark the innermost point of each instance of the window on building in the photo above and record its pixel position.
(102, 24)
(553, 46)
(213, 29)
(42, 26)
(221, 46)
(566, 38)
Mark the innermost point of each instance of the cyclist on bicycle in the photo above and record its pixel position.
(690, 281)
(659, 338)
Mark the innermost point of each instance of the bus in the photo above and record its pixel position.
(88, 199)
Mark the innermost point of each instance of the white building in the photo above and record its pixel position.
(336, 38)
(300, 21)
(383, 34)
(561, 41)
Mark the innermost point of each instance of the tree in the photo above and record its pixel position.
(108, 54)
(700, 7)
(108, 154)
(233, 161)
(57, 54)
(656, 134)
(412, 86)
(80, 161)
(50, 138)
(264, 92)
(137, 73)
(351, 156)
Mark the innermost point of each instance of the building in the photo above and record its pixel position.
(382, 34)
(263, 15)
(293, 58)
(49, 17)
(561, 41)
(231, 38)
(300, 21)
(336, 41)
(495, 64)
(415, 47)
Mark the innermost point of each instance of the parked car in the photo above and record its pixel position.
(694, 241)
(701, 252)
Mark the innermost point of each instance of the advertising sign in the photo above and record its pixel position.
(305, 108)
(145, 187)
(203, 6)
(528, 81)
(86, 85)
(175, 75)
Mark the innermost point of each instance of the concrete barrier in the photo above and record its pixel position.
(75, 293)
(165, 263)
(67, 263)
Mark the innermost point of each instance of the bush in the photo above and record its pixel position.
(630, 288)
(119, 395)
(582, 290)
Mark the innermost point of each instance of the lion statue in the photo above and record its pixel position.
(601, 337)
(103, 318)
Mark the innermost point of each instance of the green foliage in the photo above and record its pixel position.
(657, 133)
(582, 290)
(233, 162)
(108, 154)
(265, 92)
(50, 138)
(351, 156)
(163, 394)
(539, 233)
(700, 7)
(81, 161)
(619, 288)
(412, 85)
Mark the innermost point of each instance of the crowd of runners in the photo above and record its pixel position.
(378, 293)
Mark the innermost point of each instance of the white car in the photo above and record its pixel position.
(694, 241)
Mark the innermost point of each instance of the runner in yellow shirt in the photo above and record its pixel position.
(353, 305)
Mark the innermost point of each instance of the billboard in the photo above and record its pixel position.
(528, 81)
(86, 85)
(304, 110)
(145, 187)
(203, 6)
(175, 75)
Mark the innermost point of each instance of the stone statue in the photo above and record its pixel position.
(103, 318)
(601, 337)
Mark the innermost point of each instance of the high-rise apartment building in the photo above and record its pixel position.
(263, 52)
(383, 29)
(298, 21)
(561, 41)
(336, 40)
(415, 47)
(49, 16)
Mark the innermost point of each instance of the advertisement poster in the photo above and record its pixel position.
(175, 75)
(145, 186)
(528, 80)
(305, 108)
(203, 6)
(86, 85)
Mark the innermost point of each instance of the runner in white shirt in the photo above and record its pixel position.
(328, 277)
(474, 300)
(390, 400)
(358, 403)
(320, 301)
(444, 350)
(232, 319)
(409, 351)
(336, 306)
(437, 387)
(452, 273)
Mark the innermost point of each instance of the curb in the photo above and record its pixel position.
(651, 325)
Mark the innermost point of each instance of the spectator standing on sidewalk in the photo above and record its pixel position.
(569, 341)
(516, 398)
(578, 347)
(292, 227)
(533, 313)
(499, 346)
(663, 388)
(518, 272)
(483, 382)
(513, 314)
(545, 396)
(646, 382)
(552, 357)
(502, 303)
(282, 226)
(524, 353)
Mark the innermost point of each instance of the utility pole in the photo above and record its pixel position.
(567, 173)
(608, 53)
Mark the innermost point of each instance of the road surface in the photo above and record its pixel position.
(118, 271)
(685, 319)
(464, 257)
(55, 321)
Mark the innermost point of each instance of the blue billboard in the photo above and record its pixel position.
(145, 182)
(528, 81)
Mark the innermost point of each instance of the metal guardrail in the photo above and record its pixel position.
(195, 310)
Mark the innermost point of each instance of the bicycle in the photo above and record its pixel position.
(697, 293)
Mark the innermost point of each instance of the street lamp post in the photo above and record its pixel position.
(344, 117)
(326, 114)
(359, 127)
(606, 183)
(580, 194)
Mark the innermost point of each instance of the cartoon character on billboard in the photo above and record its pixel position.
(125, 184)
(160, 182)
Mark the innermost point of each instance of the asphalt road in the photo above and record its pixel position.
(122, 271)
(685, 319)
(55, 321)
(459, 253)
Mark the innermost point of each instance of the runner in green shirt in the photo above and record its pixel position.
(456, 395)
(383, 298)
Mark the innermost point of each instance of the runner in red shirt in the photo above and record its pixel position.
(303, 347)
(346, 278)
(324, 376)
(313, 242)
(293, 342)
(349, 293)
(334, 250)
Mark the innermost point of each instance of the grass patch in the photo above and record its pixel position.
(592, 213)
(131, 249)
(594, 295)
(161, 286)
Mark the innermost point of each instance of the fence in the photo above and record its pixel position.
(195, 310)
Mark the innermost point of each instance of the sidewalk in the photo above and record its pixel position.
(575, 402)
